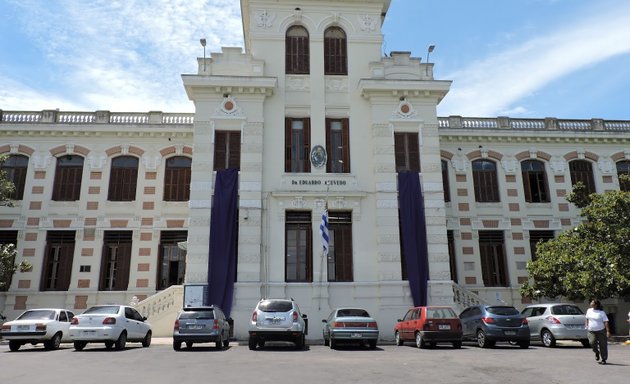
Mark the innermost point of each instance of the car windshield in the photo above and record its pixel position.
(38, 315)
(566, 310)
(440, 313)
(103, 310)
(502, 311)
(352, 313)
(197, 315)
(275, 306)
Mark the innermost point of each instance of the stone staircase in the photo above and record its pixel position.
(161, 309)
(464, 298)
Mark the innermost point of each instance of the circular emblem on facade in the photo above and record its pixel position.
(318, 156)
(228, 105)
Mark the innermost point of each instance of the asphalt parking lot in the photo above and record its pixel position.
(279, 363)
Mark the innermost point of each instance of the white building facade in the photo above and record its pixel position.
(311, 77)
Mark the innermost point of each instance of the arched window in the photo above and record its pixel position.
(582, 170)
(335, 52)
(177, 179)
(123, 179)
(15, 167)
(534, 181)
(623, 169)
(485, 181)
(297, 51)
(68, 175)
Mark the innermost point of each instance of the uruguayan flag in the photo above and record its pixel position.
(323, 229)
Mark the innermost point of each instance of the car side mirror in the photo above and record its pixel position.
(324, 321)
(144, 318)
(399, 320)
(304, 316)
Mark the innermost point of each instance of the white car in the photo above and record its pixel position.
(47, 325)
(113, 325)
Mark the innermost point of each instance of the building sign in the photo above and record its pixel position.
(318, 182)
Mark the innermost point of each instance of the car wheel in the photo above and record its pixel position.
(53, 343)
(399, 340)
(226, 342)
(300, 342)
(177, 345)
(122, 340)
(189, 344)
(109, 344)
(585, 343)
(14, 345)
(252, 343)
(219, 343)
(147, 340)
(420, 343)
(79, 345)
(524, 344)
(372, 344)
(547, 339)
(457, 344)
(482, 340)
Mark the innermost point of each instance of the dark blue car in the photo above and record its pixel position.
(487, 324)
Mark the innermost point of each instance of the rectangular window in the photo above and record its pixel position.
(177, 179)
(451, 255)
(68, 175)
(15, 168)
(57, 267)
(407, 152)
(340, 246)
(492, 253)
(445, 184)
(227, 150)
(298, 247)
(297, 145)
(123, 179)
(538, 236)
(338, 146)
(115, 261)
(172, 259)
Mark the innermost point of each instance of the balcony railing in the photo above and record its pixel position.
(97, 117)
(550, 124)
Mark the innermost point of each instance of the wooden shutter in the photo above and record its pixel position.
(307, 145)
(234, 150)
(220, 149)
(287, 144)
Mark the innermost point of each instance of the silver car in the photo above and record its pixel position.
(350, 325)
(277, 320)
(556, 321)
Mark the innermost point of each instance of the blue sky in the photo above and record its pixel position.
(519, 58)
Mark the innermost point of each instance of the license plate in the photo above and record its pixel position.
(23, 327)
(195, 326)
(444, 327)
(88, 333)
(510, 333)
(355, 335)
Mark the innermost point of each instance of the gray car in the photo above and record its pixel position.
(201, 325)
(350, 325)
(488, 324)
(556, 321)
(277, 320)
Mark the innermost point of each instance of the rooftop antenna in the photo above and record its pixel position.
(203, 44)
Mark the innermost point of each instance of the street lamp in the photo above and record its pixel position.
(429, 50)
(203, 44)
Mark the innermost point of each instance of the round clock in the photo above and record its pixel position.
(318, 156)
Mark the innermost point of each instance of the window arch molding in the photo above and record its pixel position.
(297, 56)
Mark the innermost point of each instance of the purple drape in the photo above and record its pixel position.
(223, 240)
(414, 235)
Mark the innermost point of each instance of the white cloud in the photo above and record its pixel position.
(492, 86)
(127, 55)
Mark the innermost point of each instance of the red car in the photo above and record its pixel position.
(429, 325)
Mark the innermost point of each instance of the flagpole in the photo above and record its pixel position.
(323, 226)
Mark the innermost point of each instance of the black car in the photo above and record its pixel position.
(488, 324)
(201, 325)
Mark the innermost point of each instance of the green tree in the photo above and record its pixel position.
(591, 260)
